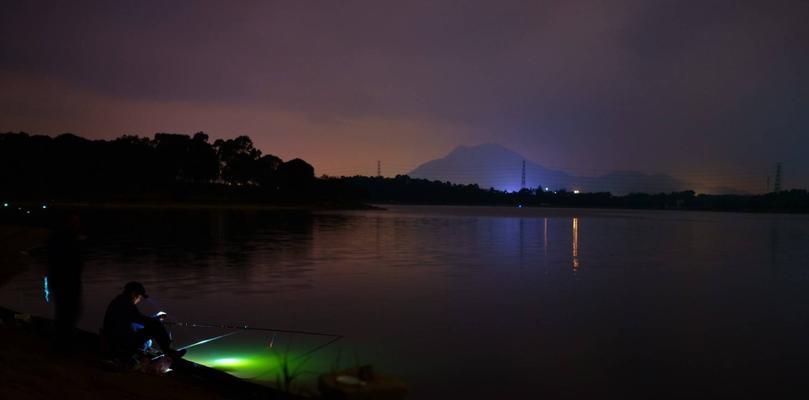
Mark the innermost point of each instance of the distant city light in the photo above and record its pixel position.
(576, 191)
(547, 189)
(44, 206)
(28, 212)
(5, 204)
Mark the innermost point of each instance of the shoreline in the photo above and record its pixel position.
(357, 206)
(176, 205)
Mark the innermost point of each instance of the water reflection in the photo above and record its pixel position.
(575, 243)
(400, 286)
(545, 244)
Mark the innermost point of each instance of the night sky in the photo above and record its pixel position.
(708, 91)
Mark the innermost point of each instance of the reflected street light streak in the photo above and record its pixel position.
(575, 243)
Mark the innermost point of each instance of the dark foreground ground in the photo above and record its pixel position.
(28, 370)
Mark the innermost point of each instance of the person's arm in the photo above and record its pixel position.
(136, 317)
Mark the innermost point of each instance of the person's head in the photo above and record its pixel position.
(135, 291)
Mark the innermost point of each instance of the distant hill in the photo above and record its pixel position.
(492, 165)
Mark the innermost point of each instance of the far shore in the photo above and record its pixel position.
(194, 205)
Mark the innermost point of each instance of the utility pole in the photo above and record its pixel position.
(522, 181)
(777, 186)
(379, 169)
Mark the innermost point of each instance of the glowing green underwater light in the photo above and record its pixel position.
(242, 364)
(229, 362)
(248, 355)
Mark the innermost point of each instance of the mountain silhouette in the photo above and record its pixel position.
(493, 166)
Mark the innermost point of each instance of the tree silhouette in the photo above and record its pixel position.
(295, 174)
(266, 171)
(202, 163)
(238, 158)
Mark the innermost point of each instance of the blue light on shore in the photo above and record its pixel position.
(47, 291)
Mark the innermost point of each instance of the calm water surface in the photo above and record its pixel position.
(473, 301)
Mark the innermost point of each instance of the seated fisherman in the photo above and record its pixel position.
(128, 332)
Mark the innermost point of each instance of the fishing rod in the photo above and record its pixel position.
(250, 328)
(240, 328)
(201, 342)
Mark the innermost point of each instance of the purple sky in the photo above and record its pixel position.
(712, 92)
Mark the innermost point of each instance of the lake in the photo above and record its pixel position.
(472, 302)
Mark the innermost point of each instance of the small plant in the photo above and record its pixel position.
(336, 366)
(288, 374)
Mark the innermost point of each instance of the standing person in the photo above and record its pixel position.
(127, 331)
(65, 264)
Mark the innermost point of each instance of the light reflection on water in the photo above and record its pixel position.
(478, 302)
(575, 244)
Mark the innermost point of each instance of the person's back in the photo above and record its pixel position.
(118, 319)
(127, 331)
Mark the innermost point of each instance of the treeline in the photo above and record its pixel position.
(406, 190)
(176, 165)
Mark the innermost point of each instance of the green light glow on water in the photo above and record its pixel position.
(229, 362)
(249, 356)
(239, 362)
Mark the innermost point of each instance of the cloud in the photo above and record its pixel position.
(656, 86)
(345, 145)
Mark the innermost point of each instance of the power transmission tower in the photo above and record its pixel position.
(379, 169)
(522, 181)
(777, 186)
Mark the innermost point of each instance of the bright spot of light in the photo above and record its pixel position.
(228, 362)
(5, 204)
(547, 189)
(519, 205)
(44, 206)
(576, 191)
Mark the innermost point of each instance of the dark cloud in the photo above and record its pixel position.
(710, 90)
